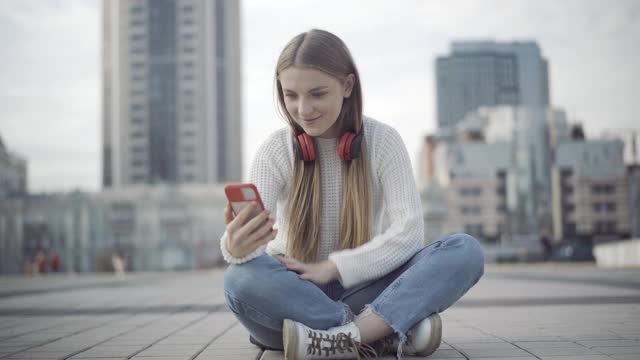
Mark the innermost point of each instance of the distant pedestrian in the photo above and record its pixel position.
(41, 263)
(545, 242)
(118, 265)
(348, 273)
(27, 267)
(54, 262)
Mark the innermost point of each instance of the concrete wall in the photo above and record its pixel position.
(618, 254)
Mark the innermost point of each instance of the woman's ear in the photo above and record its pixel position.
(348, 85)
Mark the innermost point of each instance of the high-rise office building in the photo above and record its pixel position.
(171, 98)
(13, 173)
(489, 73)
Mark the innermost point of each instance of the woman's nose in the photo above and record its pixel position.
(305, 108)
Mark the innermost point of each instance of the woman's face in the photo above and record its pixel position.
(314, 98)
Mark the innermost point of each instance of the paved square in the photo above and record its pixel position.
(550, 312)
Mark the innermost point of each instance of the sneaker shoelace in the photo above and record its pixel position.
(385, 345)
(338, 343)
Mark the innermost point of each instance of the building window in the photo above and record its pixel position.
(136, 10)
(471, 210)
(137, 37)
(476, 191)
(604, 227)
(602, 189)
(473, 229)
(604, 208)
(138, 178)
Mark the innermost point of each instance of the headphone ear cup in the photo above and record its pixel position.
(304, 145)
(345, 150)
(356, 145)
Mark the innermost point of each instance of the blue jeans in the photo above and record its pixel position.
(262, 292)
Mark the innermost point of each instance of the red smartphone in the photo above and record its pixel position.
(241, 195)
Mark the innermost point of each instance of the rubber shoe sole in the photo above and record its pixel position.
(289, 339)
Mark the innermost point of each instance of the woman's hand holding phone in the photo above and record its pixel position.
(246, 234)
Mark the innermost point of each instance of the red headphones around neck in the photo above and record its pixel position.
(348, 149)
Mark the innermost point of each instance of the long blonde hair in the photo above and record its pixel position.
(322, 50)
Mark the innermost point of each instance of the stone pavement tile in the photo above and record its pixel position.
(633, 335)
(625, 357)
(171, 350)
(604, 343)
(611, 350)
(502, 358)
(39, 355)
(568, 350)
(232, 345)
(272, 355)
(227, 354)
(577, 357)
(108, 351)
(544, 344)
(489, 353)
(486, 345)
(577, 336)
(445, 354)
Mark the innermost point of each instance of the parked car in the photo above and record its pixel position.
(578, 252)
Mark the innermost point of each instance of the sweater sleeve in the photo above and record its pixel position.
(266, 174)
(404, 236)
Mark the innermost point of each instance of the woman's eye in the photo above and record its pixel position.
(290, 96)
(318, 95)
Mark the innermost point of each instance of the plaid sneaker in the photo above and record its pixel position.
(341, 342)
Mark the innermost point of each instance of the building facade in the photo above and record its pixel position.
(487, 74)
(153, 228)
(13, 173)
(591, 192)
(171, 92)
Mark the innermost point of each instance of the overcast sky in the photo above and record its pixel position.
(50, 84)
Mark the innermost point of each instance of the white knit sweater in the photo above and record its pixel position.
(398, 229)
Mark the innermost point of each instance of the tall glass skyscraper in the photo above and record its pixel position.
(489, 73)
(171, 98)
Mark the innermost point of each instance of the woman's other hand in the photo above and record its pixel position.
(318, 273)
(245, 235)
